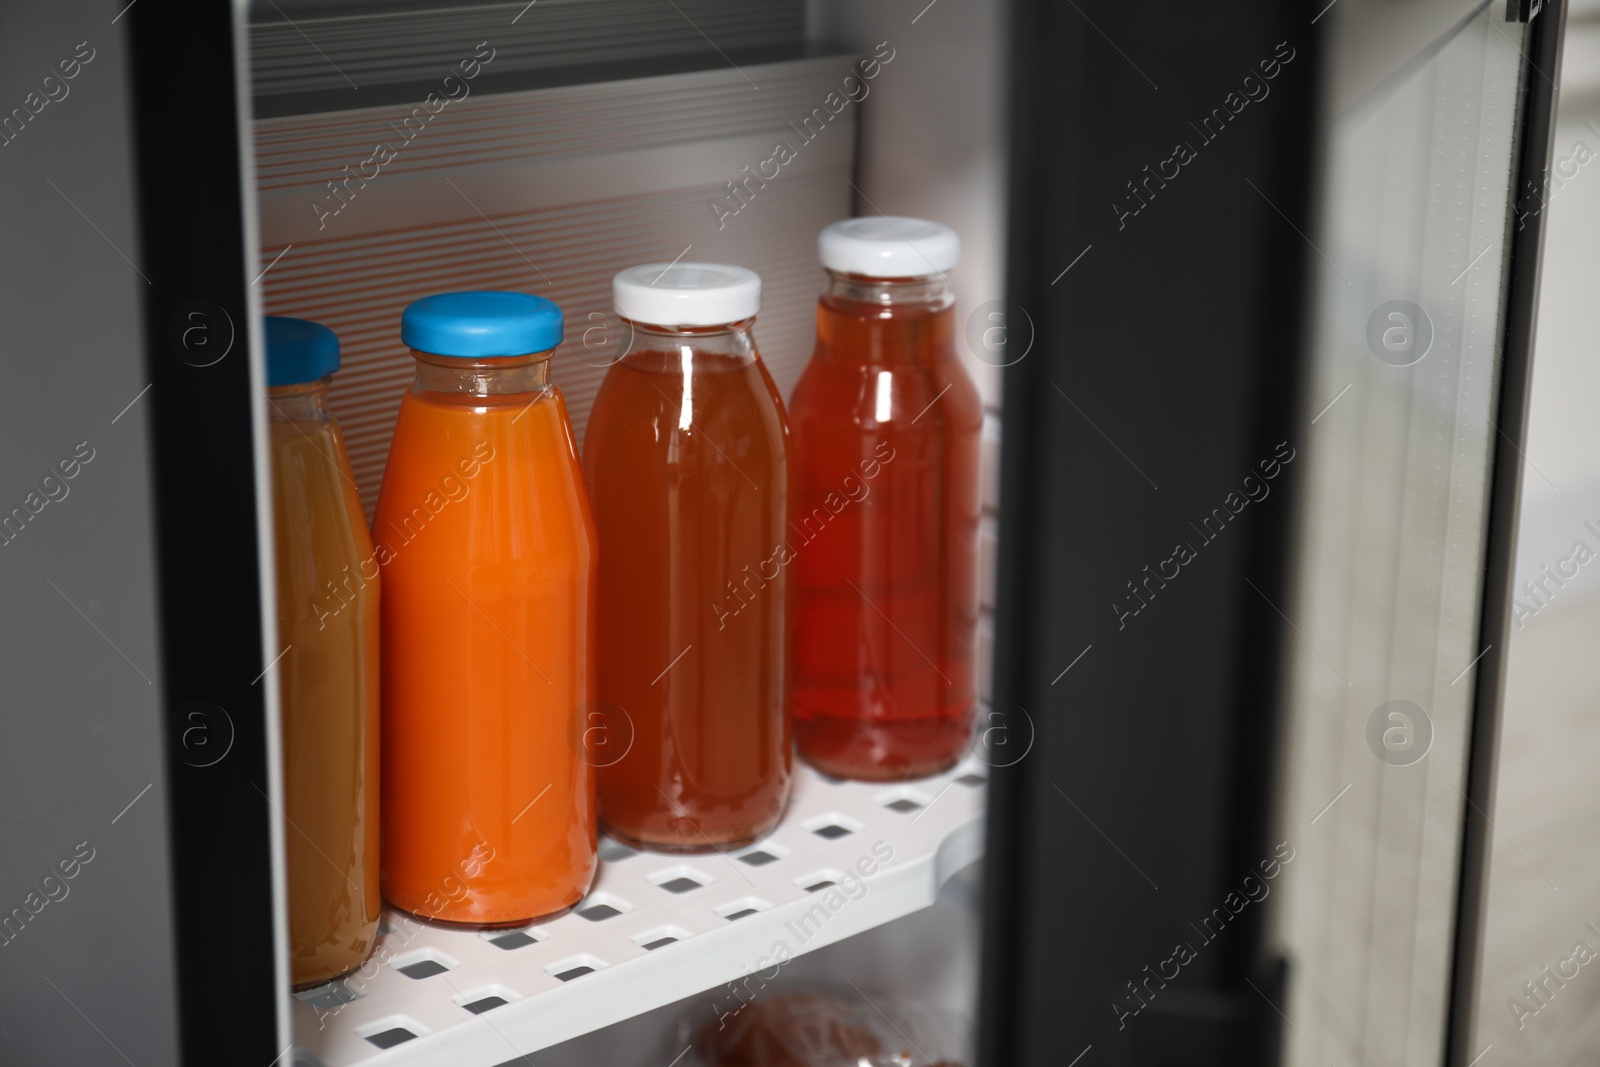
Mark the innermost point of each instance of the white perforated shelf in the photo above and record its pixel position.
(654, 929)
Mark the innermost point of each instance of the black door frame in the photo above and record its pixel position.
(192, 193)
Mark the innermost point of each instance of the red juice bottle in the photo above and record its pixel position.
(886, 426)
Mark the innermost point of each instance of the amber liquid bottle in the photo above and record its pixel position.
(686, 457)
(328, 680)
(887, 427)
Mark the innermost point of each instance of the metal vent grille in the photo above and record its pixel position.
(293, 51)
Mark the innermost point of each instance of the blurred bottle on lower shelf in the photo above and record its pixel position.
(809, 1025)
(328, 670)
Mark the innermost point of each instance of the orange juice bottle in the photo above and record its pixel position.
(487, 549)
(687, 460)
(328, 671)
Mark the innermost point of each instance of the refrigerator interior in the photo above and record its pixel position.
(588, 137)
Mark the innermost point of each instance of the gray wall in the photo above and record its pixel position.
(88, 979)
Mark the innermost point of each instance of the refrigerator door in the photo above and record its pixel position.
(1420, 345)
(1258, 505)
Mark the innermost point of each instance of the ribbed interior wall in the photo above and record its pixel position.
(306, 151)
(359, 286)
(573, 184)
(294, 52)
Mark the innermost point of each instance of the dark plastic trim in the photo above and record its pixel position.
(1165, 364)
(191, 196)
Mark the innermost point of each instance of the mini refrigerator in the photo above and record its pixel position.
(1247, 290)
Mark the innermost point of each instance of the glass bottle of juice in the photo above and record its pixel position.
(887, 427)
(686, 457)
(328, 673)
(487, 548)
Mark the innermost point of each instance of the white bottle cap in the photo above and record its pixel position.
(889, 246)
(686, 294)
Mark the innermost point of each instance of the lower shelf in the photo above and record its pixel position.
(848, 856)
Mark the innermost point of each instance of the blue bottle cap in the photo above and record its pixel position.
(299, 351)
(481, 325)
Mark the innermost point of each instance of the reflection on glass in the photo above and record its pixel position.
(1398, 442)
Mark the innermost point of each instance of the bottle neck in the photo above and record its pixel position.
(733, 340)
(304, 402)
(501, 376)
(929, 293)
